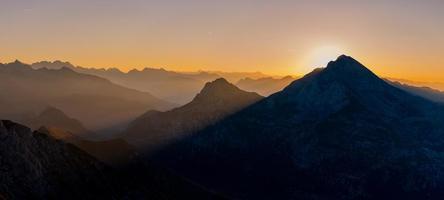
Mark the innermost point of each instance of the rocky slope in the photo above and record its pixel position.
(34, 165)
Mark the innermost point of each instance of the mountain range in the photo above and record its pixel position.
(96, 102)
(339, 132)
(176, 87)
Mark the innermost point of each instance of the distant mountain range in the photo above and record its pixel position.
(426, 92)
(434, 85)
(96, 102)
(177, 87)
(337, 133)
(215, 101)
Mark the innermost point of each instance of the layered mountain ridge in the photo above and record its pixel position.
(95, 101)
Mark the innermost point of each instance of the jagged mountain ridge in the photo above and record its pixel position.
(338, 133)
(215, 101)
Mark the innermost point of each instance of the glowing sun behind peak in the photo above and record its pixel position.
(319, 57)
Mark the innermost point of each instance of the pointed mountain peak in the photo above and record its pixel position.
(219, 84)
(220, 89)
(347, 65)
(18, 62)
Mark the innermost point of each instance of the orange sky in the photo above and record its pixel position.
(398, 38)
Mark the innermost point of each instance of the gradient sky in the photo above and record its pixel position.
(398, 38)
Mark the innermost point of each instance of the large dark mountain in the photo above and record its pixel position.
(215, 101)
(95, 101)
(337, 133)
(264, 86)
(34, 165)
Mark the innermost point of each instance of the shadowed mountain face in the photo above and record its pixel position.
(215, 101)
(95, 101)
(264, 86)
(337, 133)
(35, 165)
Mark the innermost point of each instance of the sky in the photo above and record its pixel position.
(397, 38)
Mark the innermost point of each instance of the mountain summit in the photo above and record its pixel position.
(340, 132)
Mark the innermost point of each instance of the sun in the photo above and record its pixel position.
(320, 56)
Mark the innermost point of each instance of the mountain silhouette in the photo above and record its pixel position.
(215, 101)
(96, 102)
(337, 133)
